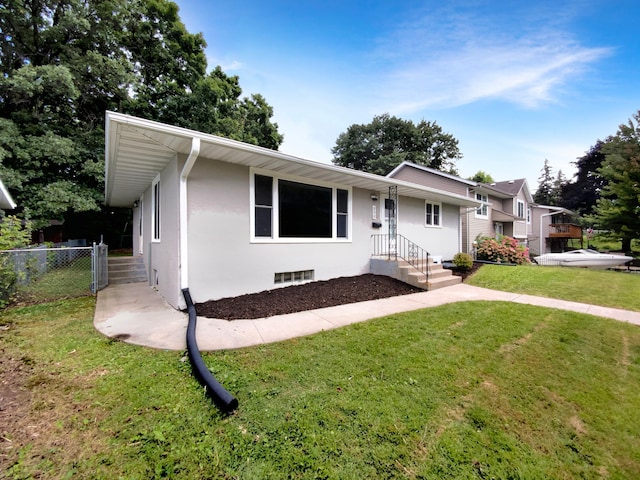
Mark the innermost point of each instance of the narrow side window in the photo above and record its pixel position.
(156, 209)
(263, 187)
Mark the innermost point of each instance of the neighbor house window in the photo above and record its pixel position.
(155, 206)
(520, 209)
(432, 214)
(483, 210)
(287, 209)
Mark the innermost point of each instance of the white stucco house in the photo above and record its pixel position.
(225, 218)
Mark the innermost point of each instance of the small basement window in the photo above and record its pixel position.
(291, 277)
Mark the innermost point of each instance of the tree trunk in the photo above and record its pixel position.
(626, 244)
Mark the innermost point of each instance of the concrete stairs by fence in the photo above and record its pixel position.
(439, 277)
(126, 270)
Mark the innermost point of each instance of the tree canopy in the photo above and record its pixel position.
(64, 62)
(618, 208)
(387, 141)
(481, 177)
(581, 194)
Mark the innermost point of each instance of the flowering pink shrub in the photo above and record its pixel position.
(503, 250)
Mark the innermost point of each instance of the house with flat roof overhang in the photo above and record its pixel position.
(225, 218)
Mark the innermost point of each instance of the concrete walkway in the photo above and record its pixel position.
(136, 313)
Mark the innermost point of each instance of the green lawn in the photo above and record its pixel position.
(598, 287)
(470, 390)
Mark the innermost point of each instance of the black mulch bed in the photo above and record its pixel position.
(309, 296)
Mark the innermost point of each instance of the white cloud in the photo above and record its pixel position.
(445, 60)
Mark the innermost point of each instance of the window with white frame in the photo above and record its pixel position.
(285, 209)
(155, 208)
(483, 210)
(520, 207)
(432, 217)
(528, 215)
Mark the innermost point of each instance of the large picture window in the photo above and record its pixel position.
(286, 209)
(305, 210)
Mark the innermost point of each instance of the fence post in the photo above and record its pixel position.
(94, 269)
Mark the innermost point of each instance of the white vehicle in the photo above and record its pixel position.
(582, 258)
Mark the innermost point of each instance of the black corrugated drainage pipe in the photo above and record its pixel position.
(223, 399)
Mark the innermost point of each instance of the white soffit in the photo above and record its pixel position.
(136, 150)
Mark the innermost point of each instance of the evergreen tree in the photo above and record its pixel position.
(544, 193)
(618, 208)
(582, 193)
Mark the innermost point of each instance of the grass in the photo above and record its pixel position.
(71, 280)
(469, 390)
(606, 288)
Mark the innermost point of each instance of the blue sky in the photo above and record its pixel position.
(516, 82)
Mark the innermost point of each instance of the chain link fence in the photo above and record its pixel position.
(39, 274)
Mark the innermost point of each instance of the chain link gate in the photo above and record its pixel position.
(41, 274)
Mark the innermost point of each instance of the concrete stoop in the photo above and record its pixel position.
(439, 277)
(126, 270)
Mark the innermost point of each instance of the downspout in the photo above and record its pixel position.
(222, 398)
(184, 175)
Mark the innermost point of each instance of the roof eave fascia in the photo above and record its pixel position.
(114, 118)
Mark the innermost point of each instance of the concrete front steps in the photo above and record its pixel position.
(126, 270)
(439, 277)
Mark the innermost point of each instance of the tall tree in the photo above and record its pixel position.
(387, 141)
(557, 187)
(544, 192)
(482, 177)
(618, 208)
(64, 62)
(581, 194)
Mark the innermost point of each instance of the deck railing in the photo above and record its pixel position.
(398, 246)
(565, 230)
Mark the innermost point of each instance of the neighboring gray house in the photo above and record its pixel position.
(6, 202)
(507, 208)
(225, 218)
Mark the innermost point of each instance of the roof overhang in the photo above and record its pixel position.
(500, 216)
(6, 202)
(137, 150)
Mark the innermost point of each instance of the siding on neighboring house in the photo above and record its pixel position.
(414, 175)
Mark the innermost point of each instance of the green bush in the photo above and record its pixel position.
(463, 261)
(12, 235)
(503, 250)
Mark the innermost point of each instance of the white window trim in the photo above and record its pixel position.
(528, 215)
(275, 219)
(439, 225)
(141, 225)
(485, 203)
(156, 210)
